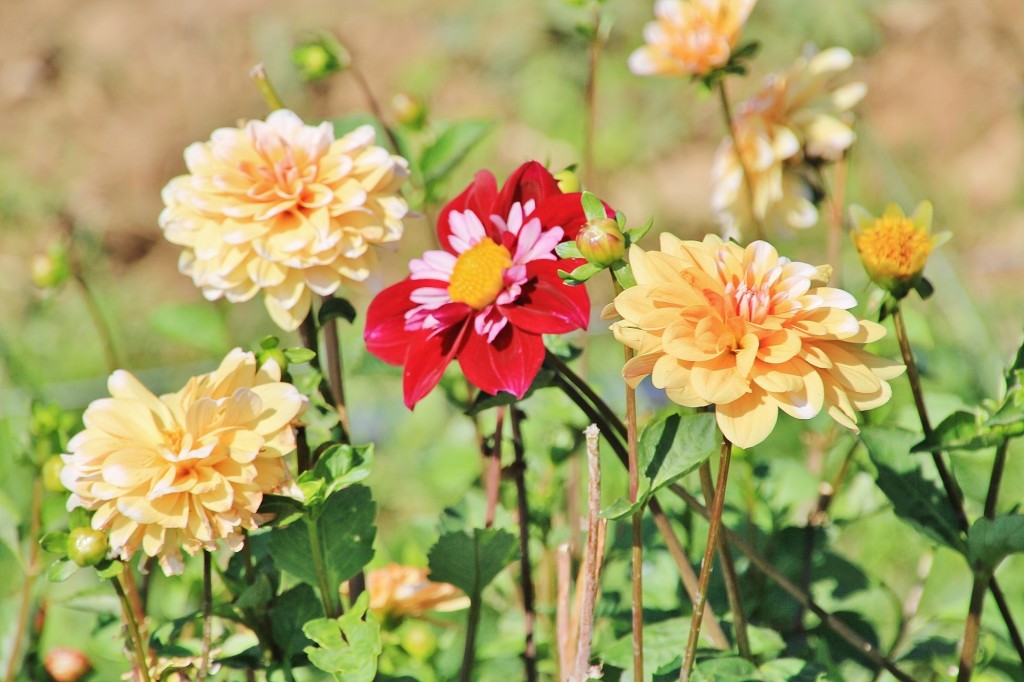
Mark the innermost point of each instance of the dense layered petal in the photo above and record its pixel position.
(187, 469)
(398, 591)
(486, 298)
(283, 208)
(749, 332)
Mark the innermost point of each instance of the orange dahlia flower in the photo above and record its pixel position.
(690, 38)
(283, 207)
(398, 591)
(187, 469)
(749, 332)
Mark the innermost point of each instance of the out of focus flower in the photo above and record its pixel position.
(187, 469)
(398, 591)
(690, 37)
(64, 664)
(797, 122)
(487, 298)
(285, 208)
(894, 248)
(749, 332)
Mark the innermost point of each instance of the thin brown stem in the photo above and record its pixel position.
(972, 628)
(730, 124)
(336, 378)
(204, 660)
(492, 476)
(374, 105)
(762, 564)
(732, 583)
(92, 306)
(711, 628)
(836, 198)
(141, 663)
(525, 570)
(31, 573)
(266, 88)
(590, 94)
(714, 526)
(637, 551)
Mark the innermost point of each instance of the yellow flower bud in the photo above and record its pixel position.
(601, 242)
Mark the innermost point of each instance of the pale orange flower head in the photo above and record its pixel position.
(894, 247)
(398, 591)
(750, 332)
(285, 208)
(187, 469)
(690, 37)
(798, 120)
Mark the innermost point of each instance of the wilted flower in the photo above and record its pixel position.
(690, 37)
(283, 207)
(488, 297)
(749, 332)
(895, 248)
(398, 591)
(187, 469)
(797, 122)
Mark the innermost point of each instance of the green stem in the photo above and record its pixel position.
(730, 123)
(375, 107)
(141, 661)
(102, 328)
(31, 573)
(472, 624)
(328, 597)
(590, 126)
(336, 378)
(637, 551)
(972, 628)
(998, 466)
(714, 525)
(525, 570)
(611, 422)
(204, 661)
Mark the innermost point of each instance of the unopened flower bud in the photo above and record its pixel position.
(419, 640)
(320, 57)
(265, 355)
(51, 269)
(601, 242)
(64, 664)
(87, 547)
(568, 181)
(410, 110)
(51, 474)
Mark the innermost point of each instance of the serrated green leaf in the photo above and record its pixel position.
(55, 542)
(200, 325)
(347, 647)
(915, 499)
(284, 510)
(344, 527)
(471, 562)
(290, 612)
(675, 445)
(989, 541)
(966, 431)
(451, 148)
(60, 570)
(336, 307)
(340, 466)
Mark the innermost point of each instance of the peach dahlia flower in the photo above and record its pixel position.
(187, 469)
(749, 332)
(283, 207)
(691, 37)
(398, 591)
(796, 122)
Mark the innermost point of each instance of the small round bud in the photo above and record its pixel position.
(51, 474)
(320, 57)
(601, 242)
(410, 110)
(264, 355)
(51, 269)
(87, 547)
(568, 181)
(64, 664)
(419, 640)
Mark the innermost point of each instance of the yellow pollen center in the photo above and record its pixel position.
(897, 244)
(477, 275)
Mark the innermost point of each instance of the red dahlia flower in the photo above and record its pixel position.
(487, 298)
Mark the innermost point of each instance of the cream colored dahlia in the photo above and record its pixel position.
(690, 37)
(749, 332)
(398, 591)
(187, 469)
(283, 207)
(798, 121)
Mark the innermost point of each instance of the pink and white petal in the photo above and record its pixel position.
(508, 364)
(433, 265)
(478, 198)
(748, 420)
(467, 230)
(385, 333)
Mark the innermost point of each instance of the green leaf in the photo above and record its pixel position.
(109, 569)
(284, 509)
(966, 431)
(347, 647)
(989, 541)
(55, 542)
(915, 499)
(340, 466)
(290, 611)
(471, 562)
(79, 518)
(791, 670)
(664, 643)
(624, 274)
(637, 233)
(344, 527)
(451, 148)
(729, 669)
(593, 209)
(60, 570)
(296, 356)
(568, 250)
(200, 325)
(333, 308)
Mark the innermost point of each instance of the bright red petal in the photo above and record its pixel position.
(427, 358)
(548, 305)
(509, 364)
(479, 198)
(565, 211)
(530, 181)
(385, 333)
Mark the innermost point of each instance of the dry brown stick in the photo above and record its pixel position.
(592, 559)
(563, 626)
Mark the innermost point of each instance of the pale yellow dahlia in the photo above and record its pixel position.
(187, 469)
(749, 332)
(398, 591)
(283, 207)
(690, 37)
(798, 121)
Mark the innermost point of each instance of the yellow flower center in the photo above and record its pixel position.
(477, 275)
(896, 245)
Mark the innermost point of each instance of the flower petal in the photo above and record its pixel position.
(509, 364)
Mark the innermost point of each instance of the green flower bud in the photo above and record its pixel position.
(51, 269)
(419, 640)
(265, 355)
(410, 110)
(568, 181)
(320, 57)
(51, 474)
(87, 547)
(601, 242)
